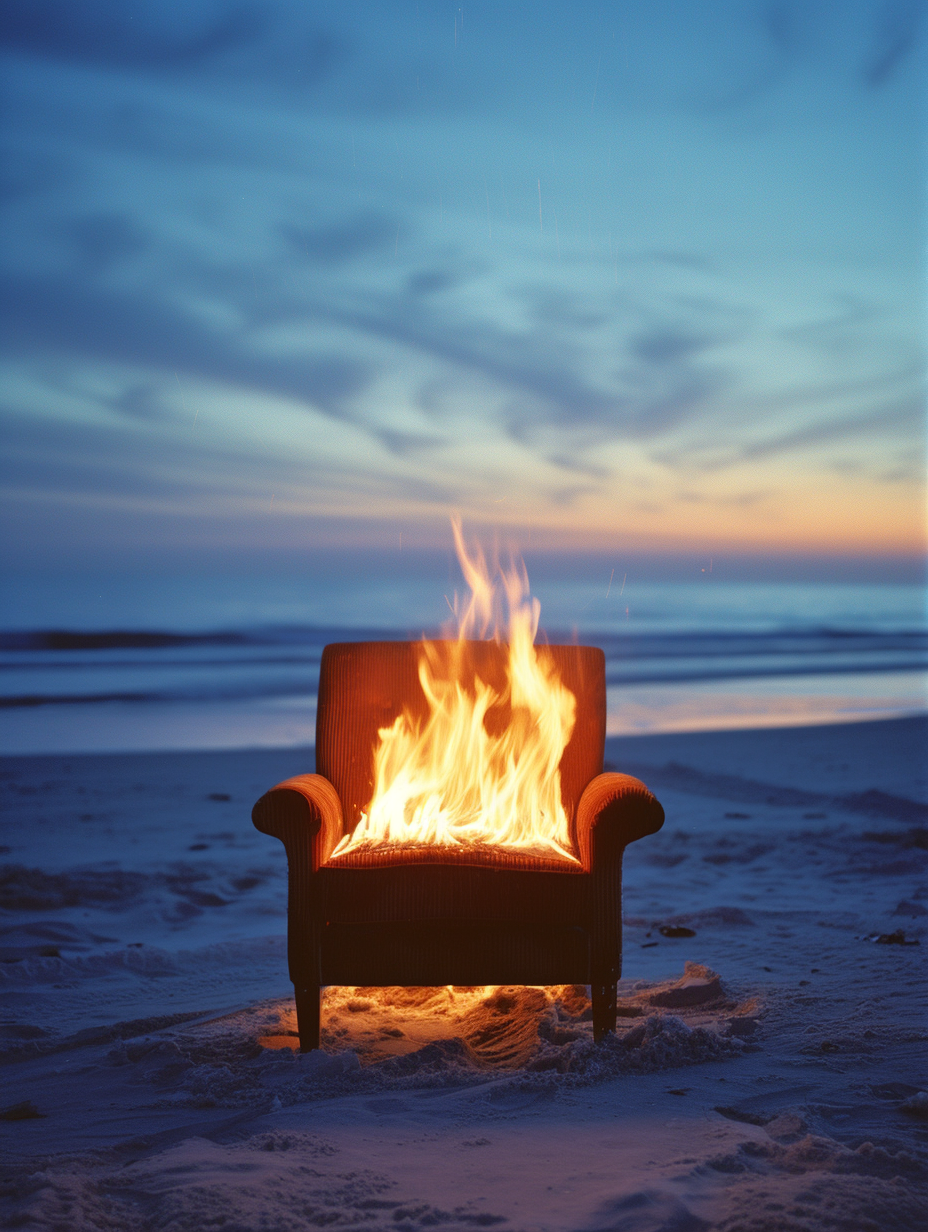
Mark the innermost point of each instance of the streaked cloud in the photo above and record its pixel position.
(898, 26)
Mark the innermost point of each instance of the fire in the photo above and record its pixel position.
(483, 768)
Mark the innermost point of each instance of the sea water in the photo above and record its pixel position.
(133, 663)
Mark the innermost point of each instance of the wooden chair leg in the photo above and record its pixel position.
(604, 1009)
(308, 1005)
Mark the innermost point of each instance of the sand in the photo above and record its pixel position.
(768, 1071)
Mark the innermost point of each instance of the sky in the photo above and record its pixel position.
(292, 276)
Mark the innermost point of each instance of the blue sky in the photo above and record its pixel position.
(292, 276)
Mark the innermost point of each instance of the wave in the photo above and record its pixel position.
(780, 641)
(69, 668)
(157, 639)
(616, 644)
(754, 672)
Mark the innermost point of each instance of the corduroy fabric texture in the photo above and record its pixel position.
(452, 892)
(433, 952)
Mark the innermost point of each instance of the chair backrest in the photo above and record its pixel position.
(364, 686)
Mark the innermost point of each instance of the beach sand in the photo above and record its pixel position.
(768, 1072)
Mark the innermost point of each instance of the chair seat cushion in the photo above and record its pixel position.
(482, 856)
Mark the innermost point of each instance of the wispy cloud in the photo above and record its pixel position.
(346, 240)
(62, 314)
(120, 35)
(884, 423)
(876, 423)
(898, 28)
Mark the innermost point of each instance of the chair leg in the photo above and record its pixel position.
(308, 1004)
(604, 1009)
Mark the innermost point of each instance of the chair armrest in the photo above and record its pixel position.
(303, 811)
(614, 810)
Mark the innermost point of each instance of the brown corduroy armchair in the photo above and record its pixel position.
(440, 915)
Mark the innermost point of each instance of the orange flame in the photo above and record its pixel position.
(458, 779)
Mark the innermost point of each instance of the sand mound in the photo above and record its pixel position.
(276, 1181)
(817, 1185)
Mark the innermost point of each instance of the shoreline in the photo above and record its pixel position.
(747, 747)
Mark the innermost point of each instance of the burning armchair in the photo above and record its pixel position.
(430, 897)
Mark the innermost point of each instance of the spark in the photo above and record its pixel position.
(623, 588)
(609, 587)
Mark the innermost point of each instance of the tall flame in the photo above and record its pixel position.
(460, 778)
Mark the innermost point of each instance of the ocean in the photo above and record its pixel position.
(97, 664)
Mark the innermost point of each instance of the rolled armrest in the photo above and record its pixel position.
(305, 809)
(614, 810)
